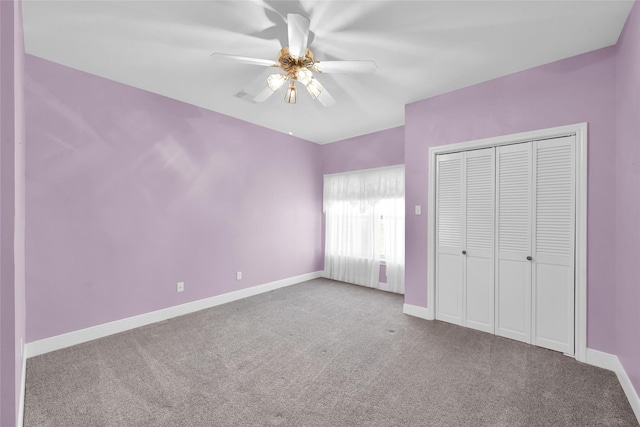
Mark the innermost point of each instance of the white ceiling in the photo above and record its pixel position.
(422, 49)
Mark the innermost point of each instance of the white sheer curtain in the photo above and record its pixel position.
(365, 222)
(393, 223)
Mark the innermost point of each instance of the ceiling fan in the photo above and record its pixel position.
(297, 64)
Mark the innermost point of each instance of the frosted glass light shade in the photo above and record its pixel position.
(304, 76)
(314, 87)
(291, 96)
(274, 81)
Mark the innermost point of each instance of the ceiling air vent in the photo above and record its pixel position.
(244, 95)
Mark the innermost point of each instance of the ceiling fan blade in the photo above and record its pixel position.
(325, 98)
(345, 66)
(255, 98)
(257, 90)
(247, 60)
(298, 34)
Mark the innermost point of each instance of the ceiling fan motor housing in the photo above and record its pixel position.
(291, 64)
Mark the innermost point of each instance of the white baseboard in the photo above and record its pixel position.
(382, 286)
(23, 383)
(414, 310)
(385, 287)
(612, 363)
(602, 360)
(58, 342)
(631, 392)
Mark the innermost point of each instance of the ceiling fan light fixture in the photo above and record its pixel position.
(314, 88)
(275, 81)
(304, 76)
(296, 62)
(291, 96)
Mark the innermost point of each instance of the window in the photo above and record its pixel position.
(364, 226)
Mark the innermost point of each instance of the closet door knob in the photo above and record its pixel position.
(529, 258)
(464, 252)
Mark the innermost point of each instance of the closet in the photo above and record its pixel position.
(505, 241)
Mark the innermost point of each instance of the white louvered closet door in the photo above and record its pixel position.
(513, 223)
(478, 239)
(553, 244)
(449, 226)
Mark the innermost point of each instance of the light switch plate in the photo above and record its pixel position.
(418, 210)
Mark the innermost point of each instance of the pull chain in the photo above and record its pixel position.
(291, 119)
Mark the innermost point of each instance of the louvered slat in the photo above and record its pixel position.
(554, 201)
(449, 201)
(480, 183)
(513, 201)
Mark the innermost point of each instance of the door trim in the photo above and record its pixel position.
(580, 131)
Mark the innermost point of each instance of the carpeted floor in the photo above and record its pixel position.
(320, 353)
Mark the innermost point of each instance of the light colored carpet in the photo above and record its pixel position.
(321, 353)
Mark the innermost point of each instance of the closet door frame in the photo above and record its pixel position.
(580, 266)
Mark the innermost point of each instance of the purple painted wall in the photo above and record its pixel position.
(627, 167)
(578, 89)
(374, 150)
(12, 218)
(129, 192)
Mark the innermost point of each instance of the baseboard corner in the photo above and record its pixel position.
(602, 360)
(416, 311)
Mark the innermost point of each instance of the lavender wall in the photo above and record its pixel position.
(12, 219)
(374, 150)
(627, 211)
(129, 192)
(578, 89)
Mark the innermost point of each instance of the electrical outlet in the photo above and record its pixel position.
(239, 275)
(180, 286)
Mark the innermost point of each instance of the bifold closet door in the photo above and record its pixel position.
(505, 241)
(465, 238)
(553, 244)
(536, 243)
(449, 226)
(478, 239)
(513, 255)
